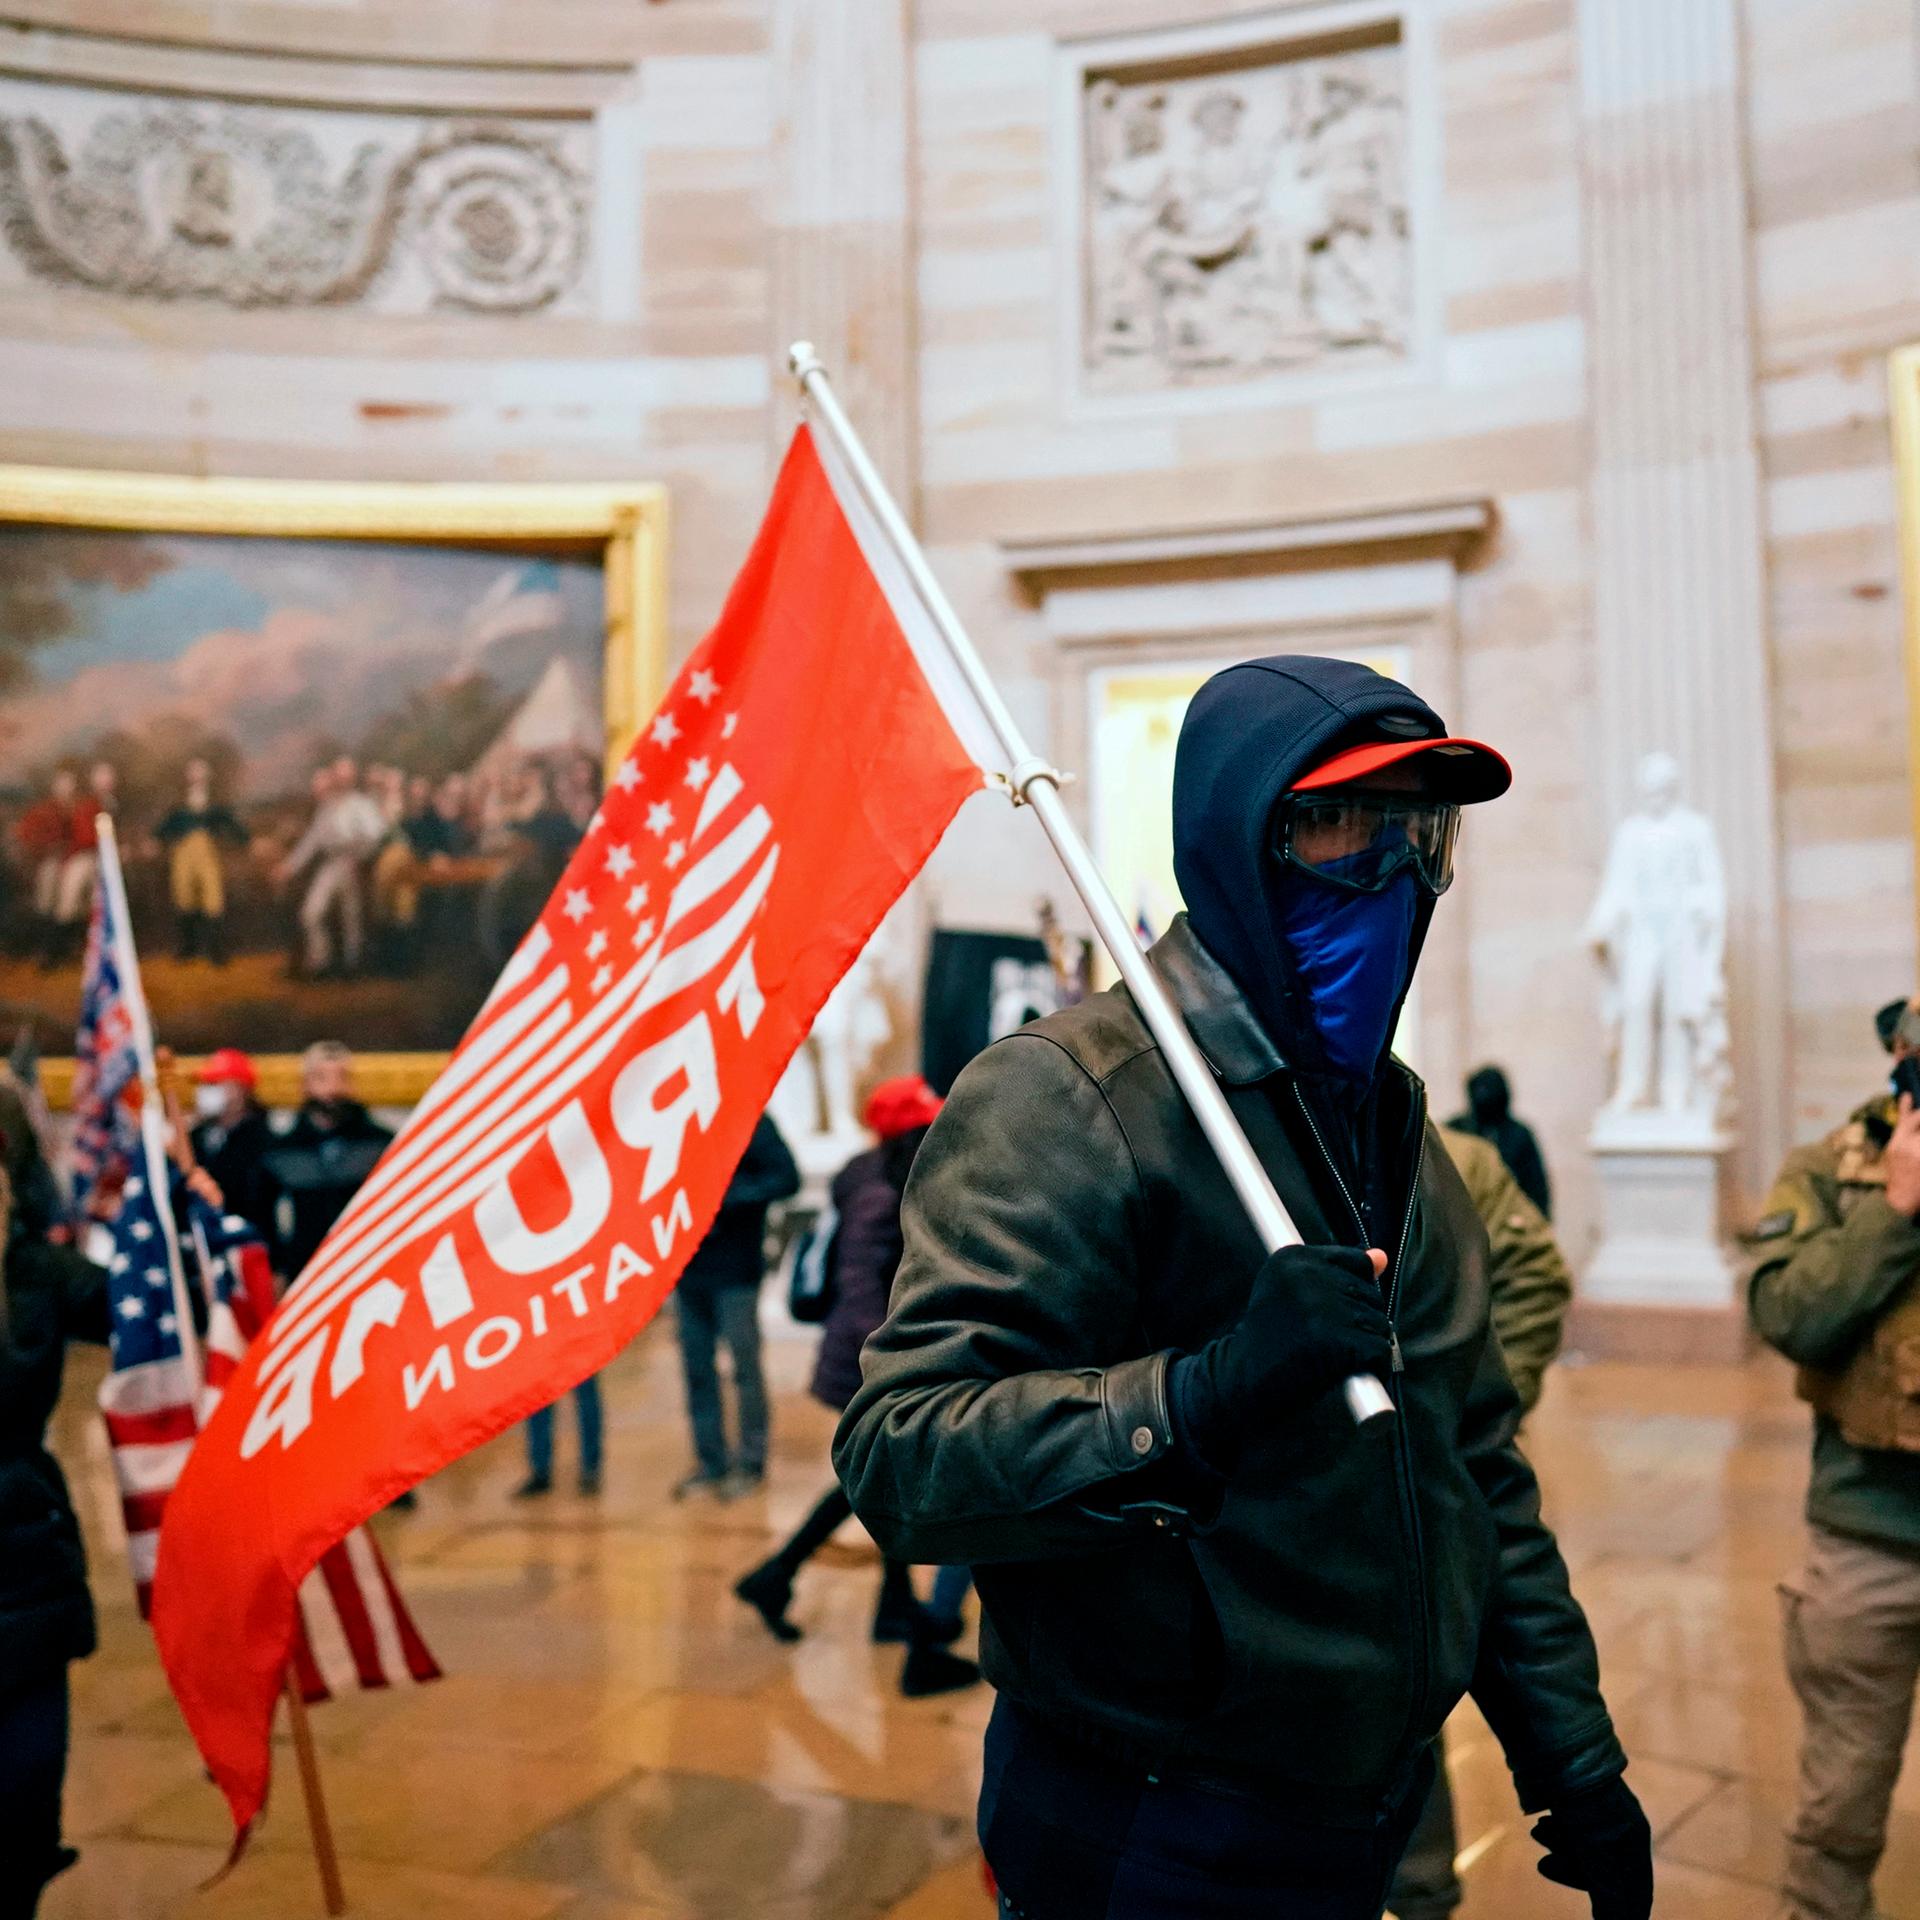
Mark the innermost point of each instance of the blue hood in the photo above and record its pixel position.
(1250, 733)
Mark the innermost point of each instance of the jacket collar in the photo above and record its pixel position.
(1238, 1048)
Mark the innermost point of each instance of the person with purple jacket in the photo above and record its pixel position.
(865, 1251)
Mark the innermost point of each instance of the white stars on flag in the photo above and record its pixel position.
(637, 898)
(699, 772)
(141, 1230)
(598, 944)
(643, 933)
(727, 726)
(628, 777)
(602, 980)
(168, 1323)
(676, 853)
(119, 1263)
(131, 1309)
(659, 819)
(156, 1276)
(576, 906)
(665, 730)
(702, 686)
(619, 860)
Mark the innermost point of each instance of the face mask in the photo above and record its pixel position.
(210, 1102)
(1349, 954)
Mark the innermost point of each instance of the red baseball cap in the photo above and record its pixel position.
(898, 1106)
(1462, 771)
(226, 1064)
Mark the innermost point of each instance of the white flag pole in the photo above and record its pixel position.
(153, 1134)
(153, 1139)
(1036, 783)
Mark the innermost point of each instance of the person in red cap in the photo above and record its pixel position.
(864, 1252)
(1226, 1622)
(232, 1136)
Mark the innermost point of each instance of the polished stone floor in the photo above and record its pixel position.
(618, 1740)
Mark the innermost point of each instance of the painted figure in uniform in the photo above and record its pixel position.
(347, 827)
(193, 835)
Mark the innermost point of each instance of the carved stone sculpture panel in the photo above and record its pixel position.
(1245, 221)
(162, 198)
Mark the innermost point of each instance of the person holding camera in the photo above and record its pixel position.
(1837, 1252)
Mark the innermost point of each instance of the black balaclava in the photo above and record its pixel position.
(1250, 733)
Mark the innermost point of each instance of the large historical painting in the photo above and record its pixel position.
(1246, 217)
(344, 781)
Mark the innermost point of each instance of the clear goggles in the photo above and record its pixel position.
(1361, 841)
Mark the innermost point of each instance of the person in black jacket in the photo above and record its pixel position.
(49, 1295)
(233, 1137)
(718, 1298)
(866, 1250)
(1490, 1114)
(1226, 1623)
(313, 1169)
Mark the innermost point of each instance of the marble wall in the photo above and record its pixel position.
(1833, 91)
(1093, 269)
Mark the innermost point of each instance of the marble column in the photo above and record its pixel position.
(840, 208)
(1680, 637)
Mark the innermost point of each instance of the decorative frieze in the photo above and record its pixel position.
(252, 205)
(1244, 211)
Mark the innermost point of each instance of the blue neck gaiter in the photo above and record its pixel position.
(1350, 957)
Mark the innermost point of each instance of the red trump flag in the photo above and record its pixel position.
(542, 1200)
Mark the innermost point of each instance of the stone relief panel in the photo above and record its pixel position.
(1246, 218)
(248, 205)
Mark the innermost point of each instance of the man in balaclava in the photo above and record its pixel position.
(1225, 1622)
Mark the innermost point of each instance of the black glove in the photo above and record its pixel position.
(1598, 1842)
(1315, 1316)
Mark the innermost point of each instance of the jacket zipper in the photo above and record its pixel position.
(1404, 1443)
(1403, 1447)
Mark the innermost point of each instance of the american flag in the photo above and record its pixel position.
(106, 1068)
(147, 1396)
(355, 1629)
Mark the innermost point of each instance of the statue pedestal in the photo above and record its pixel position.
(1664, 1282)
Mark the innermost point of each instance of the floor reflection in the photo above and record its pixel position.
(618, 1737)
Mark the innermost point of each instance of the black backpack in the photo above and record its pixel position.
(810, 1273)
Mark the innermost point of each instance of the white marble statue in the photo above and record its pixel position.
(1659, 930)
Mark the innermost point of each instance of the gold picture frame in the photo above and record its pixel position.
(624, 526)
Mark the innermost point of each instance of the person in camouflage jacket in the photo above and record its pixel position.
(1836, 1254)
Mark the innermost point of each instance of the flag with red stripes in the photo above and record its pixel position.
(354, 1628)
(147, 1396)
(542, 1200)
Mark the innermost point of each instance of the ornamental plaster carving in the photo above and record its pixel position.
(1245, 222)
(169, 199)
